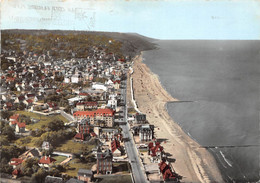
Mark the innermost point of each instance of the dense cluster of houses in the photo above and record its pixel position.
(31, 77)
(87, 89)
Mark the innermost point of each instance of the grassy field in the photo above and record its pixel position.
(115, 179)
(44, 120)
(121, 167)
(75, 165)
(73, 147)
(59, 159)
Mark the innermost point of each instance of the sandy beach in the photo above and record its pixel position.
(193, 162)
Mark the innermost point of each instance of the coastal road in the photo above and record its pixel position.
(131, 150)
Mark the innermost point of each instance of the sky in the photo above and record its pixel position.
(161, 19)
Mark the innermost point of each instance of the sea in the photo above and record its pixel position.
(218, 84)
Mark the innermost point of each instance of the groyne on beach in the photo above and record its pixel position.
(194, 163)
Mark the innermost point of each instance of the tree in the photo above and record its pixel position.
(5, 167)
(39, 176)
(8, 152)
(21, 106)
(3, 141)
(47, 152)
(6, 114)
(38, 141)
(30, 166)
(23, 141)
(7, 131)
(56, 125)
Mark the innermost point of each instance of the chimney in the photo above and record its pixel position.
(45, 157)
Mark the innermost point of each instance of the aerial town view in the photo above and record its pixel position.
(127, 98)
(68, 112)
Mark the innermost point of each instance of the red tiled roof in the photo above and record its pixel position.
(9, 104)
(162, 166)
(16, 172)
(79, 136)
(16, 161)
(46, 160)
(21, 97)
(14, 117)
(21, 125)
(93, 134)
(51, 104)
(29, 101)
(117, 81)
(58, 90)
(98, 112)
(155, 148)
(83, 94)
(30, 95)
(10, 79)
(115, 144)
(14, 122)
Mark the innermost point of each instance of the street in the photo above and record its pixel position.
(138, 173)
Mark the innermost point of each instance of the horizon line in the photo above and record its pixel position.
(156, 39)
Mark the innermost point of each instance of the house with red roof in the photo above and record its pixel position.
(16, 162)
(97, 117)
(84, 130)
(167, 173)
(155, 150)
(52, 106)
(16, 173)
(117, 84)
(14, 117)
(116, 148)
(28, 102)
(8, 106)
(46, 161)
(14, 122)
(20, 127)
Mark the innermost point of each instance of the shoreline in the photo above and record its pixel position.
(193, 162)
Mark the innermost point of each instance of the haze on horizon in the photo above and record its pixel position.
(163, 19)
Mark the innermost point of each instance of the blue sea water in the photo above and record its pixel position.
(221, 79)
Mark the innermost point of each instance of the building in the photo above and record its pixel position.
(15, 162)
(145, 132)
(104, 162)
(82, 106)
(32, 153)
(20, 127)
(16, 173)
(46, 161)
(167, 173)
(99, 86)
(116, 148)
(85, 175)
(83, 130)
(140, 118)
(76, 78)
(106, 133)
(52, 179)
(155, 150)
(112, 102)
(45, 146)
(99, 117)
